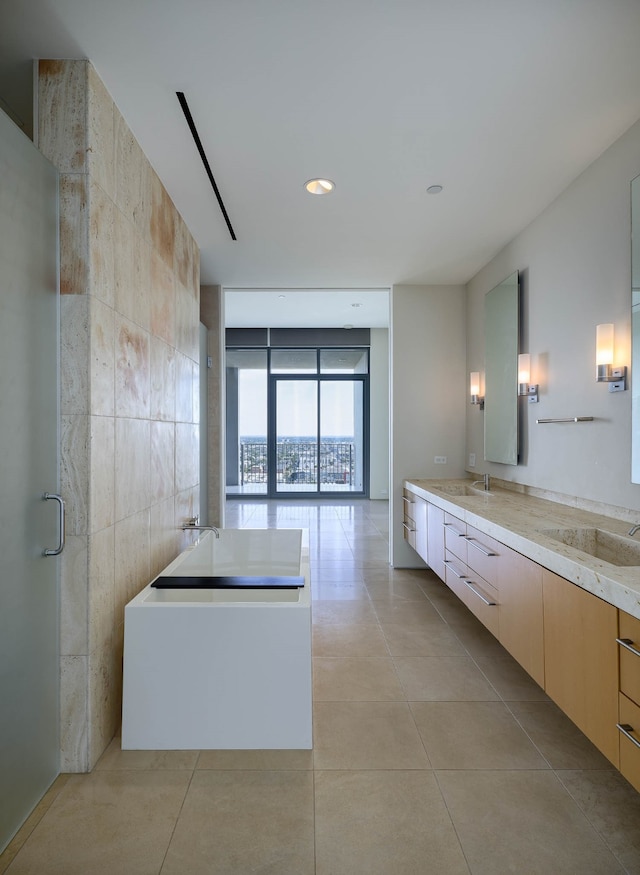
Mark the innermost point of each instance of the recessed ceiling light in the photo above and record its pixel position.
(434, 189)
(282, 297)
(356, 305)
(319, 186)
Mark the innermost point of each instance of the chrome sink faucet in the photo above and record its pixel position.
(633, 530)
(486, 483)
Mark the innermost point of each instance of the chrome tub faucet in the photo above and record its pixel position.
(192, 523)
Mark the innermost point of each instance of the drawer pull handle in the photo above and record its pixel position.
(407, 527)
(628, 644)
(454, 530)
(454, 569)
(479, 593)
(408, 500)
(626, 730)
(482, 549)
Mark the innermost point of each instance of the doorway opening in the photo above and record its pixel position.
(297, 421)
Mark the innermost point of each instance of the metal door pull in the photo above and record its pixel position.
(52, 496)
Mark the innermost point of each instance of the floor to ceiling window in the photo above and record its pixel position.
(297, 421)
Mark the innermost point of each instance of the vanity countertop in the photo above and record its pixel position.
(523, 522)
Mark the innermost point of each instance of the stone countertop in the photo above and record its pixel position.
(520, 521)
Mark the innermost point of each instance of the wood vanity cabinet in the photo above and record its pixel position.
(629, 697)
(408, 522)
(465, 560)
(415, 522)
(420, 519)
(521, 612)
(582, 650)
(581, 660)
(435, 540)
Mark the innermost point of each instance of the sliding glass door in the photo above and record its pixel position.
(295, 449)
(319, 441)
(341, 441)
(296, 422)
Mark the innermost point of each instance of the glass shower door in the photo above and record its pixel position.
(29, 320)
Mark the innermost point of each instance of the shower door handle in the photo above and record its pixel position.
(52, 496)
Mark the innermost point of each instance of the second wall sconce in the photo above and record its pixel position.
(525, 386)
(474, 389)
(605, 371)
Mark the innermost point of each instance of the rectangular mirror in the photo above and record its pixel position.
(501, 329)
(635, 329)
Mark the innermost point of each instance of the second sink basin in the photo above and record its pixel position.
(460, 489)
(614, 549)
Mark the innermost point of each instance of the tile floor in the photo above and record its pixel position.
(434, 753)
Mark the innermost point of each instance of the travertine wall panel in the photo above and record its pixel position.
(130, 313)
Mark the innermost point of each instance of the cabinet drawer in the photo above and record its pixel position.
(629, 642)
(473, 591)
(483, 554)
(629, 727)
(455, 537)
(408, 524)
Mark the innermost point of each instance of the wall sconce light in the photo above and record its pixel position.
(605, 371)
(525, 386)
(474, 389)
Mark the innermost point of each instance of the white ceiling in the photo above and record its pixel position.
(503, 102)
(302, 308)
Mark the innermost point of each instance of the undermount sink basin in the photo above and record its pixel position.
(460, 489)
(614, 549)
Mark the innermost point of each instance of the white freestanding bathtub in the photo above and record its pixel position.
(222, 668)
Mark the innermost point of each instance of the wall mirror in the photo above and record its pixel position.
(501, 327)
(635, 329)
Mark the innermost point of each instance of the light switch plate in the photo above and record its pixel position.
(440, 460)
(472, 460)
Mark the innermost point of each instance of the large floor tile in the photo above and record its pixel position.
(234, 823)
(384, 823)
(612, 806)
(407, 613)
(382, 572)
(256, 760)
(443, 678)
(391, 591)
(343, 611)
(366, 735)
(510, 680)
(338, 591)
(27, 828)
(556, 737)
(474, 735)
(104, 823)
(114, 758)
(356, 679)
(336, 571)
(522, 822)
(474, 637)
(349, 640)
(432, 639)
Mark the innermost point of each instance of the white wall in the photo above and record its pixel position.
(379, 414)
(575, 260)
(428, 398)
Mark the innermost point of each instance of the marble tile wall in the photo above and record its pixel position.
(129, 277)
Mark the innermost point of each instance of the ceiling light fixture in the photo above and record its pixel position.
(319, 186)
(434, 189)
(356, 305)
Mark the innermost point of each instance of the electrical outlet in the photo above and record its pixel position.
(440, 460)
(472, 460)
